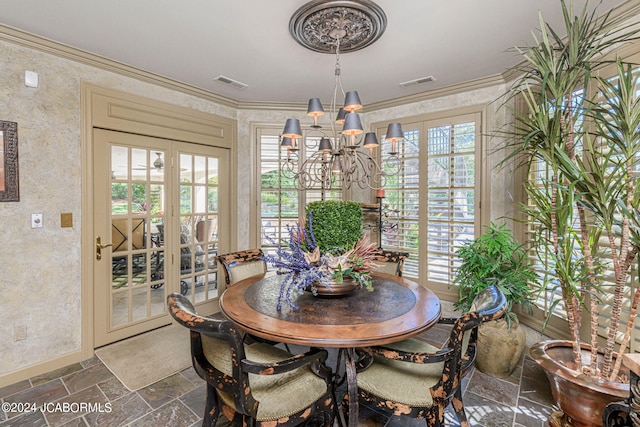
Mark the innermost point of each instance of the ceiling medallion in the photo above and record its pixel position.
(321, 25)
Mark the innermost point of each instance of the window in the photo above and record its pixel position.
(281, 204)
(434, 198)
(430, 207)
(402, 200)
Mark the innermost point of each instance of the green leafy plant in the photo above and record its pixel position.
(584, 157)
(494, 258)
(337, 224)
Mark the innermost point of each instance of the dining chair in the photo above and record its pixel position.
(390, 262)
(257, 384)
(416, 379)
(242, 264)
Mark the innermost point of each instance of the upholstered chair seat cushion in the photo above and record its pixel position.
(402, 382)
(415, 379)
(279, 395)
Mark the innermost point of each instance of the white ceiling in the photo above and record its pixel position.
(192, 41)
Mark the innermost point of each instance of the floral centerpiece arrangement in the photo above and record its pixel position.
(307, 268)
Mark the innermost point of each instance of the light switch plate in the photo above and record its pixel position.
(36, 220)
(66, 219)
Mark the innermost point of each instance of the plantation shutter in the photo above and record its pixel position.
(402, 199)
(452, 193)
(278, 197)
(281, 204)
(433, 202)
(547, 297)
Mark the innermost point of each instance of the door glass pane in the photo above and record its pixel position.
(140, 304)
(137, 224)
(199, 179)
(120, 308)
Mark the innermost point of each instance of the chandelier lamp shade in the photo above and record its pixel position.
(341, 153)
(394, 134)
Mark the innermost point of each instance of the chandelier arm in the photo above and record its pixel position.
(391, 165)
(333, 109)
(289, 166)
(314, 172)
(309, 142)
(364, 170)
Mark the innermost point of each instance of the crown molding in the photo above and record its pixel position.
(627, 10)
(45, 45)
(272, 106)
(468, 86)
(22, 38)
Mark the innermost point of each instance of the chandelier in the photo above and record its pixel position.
(344, 153)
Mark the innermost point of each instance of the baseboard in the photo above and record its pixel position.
(40, 368)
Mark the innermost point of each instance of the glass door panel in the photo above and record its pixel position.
(137, 223)
(199, 219)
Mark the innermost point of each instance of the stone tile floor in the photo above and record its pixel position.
(522, 400)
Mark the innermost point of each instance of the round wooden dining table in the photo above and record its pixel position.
(396, 309)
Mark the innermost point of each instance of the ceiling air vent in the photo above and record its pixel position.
(228, 81)
(418, 81)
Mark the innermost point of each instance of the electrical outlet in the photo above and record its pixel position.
(19, 333)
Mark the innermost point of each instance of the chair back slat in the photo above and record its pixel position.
(390, 262)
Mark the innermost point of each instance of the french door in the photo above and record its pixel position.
(160, 208)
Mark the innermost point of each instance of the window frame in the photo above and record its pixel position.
(422, 123)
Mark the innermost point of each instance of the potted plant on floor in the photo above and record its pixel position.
(581, 157)
(496, 258)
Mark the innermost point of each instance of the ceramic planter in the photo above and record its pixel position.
(581, 398)
(499, 347)
(347, 286)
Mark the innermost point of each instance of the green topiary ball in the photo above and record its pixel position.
(337, 224)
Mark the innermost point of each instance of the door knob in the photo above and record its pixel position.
(100, 247)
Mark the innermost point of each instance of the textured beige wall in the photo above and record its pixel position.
(40, 270)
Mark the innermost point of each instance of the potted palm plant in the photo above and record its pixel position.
(495, 258)
(581, 157)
